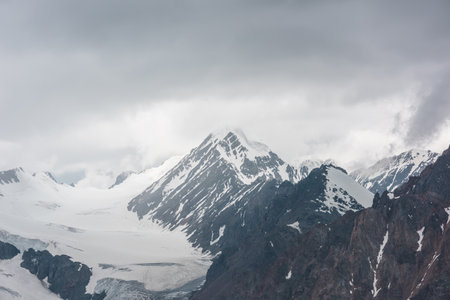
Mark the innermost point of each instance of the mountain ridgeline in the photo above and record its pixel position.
(391, 172)
(209, 184)
(306, 230)
(396, 249)
(212, 187)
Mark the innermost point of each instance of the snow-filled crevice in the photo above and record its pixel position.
(376, 290)
(221, 231)
(419, 242)
(289, 275)
(296, 226)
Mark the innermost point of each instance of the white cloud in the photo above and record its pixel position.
(132, 84)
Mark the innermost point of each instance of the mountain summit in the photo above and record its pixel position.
(211, 182)
(250, 160)
(215, 182)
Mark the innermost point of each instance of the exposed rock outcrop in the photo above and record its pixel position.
(7, 251)
(66, 278)
(10, 176)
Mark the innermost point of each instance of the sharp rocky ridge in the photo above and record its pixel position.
(391, 172)
(213, 184)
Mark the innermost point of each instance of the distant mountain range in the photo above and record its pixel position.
(389, 173)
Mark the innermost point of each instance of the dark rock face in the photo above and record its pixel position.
(8, 251)
(275, 220)
(397, 249)
(68, 279)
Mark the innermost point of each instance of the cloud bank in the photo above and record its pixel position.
(113, 85)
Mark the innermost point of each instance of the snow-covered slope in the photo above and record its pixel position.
(200, 199)
(341, 186)
(138, 181)
(94, 227)
(389, 173)
(325, 194)
(133, 180)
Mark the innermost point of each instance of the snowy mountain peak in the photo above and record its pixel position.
(213, 180)
(389, 173)
(216, 180)
(10, 176)
(235, 139)
(248, 159)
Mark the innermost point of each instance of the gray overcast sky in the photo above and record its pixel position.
(96, 87)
